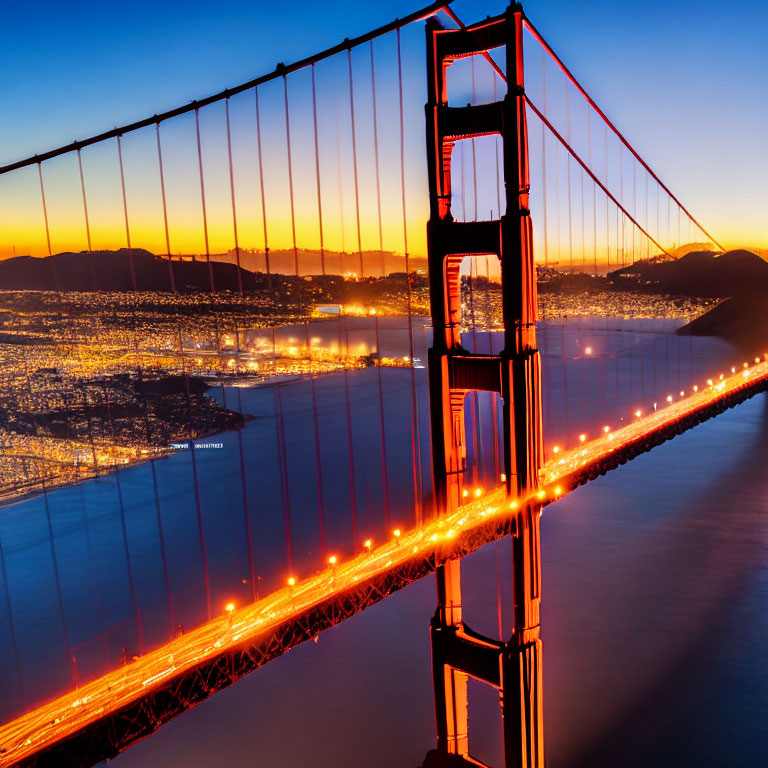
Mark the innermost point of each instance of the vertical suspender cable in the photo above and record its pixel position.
(85, 217)
(568, 169)
(317, 176)
(232, 195)
(128, 565)
(56, 279)
(11, 627)
(290, 175)
(607, 202)
(163, 556)
(474, 152)
(350, 443)
(318, 451)
(261, 189)
(165, 208)
(415, 417)
(354, 158)
(85, 203)
(202, 200)
(543, 154)
(594, 194)
(125, 213)
(634, 206)
(583, 225)
(376, 159)
(284, 482)
(45, 207)
(382, 430)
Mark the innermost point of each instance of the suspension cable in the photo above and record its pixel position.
(232, 195)
(594, 178)
(125, 213)
(261, 188)
(202, 201)
(165, 208)
(290, 175)
(376, 158)
(317, 174)
(537, 36)
(354, 159)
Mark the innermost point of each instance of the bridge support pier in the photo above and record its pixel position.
(514, 666)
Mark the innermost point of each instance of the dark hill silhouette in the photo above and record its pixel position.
(699, 273)
(111, 271)
(742, 320)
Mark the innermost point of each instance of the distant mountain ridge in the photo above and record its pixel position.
(699, 273)
(111, 271)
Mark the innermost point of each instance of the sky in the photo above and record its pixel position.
(684, 82)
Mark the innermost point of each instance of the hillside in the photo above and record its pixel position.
(699, 273)
(111, 271)
(742, 320)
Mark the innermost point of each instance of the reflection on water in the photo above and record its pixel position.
(117, 565)
(653, 629)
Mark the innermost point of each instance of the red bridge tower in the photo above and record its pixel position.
(514, 667)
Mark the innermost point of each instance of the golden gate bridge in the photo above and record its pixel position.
(276, 179)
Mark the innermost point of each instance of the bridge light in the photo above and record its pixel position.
(513, 505)
(465, 493)
(291, 581)
(733, 370)
(332, 559)
(396, 533)
(478, 492)
(709, 382)
(582, 437)
(556, 449)
(638, 413)
(558, 490)
(757, 360)
(682, 394)
(503, 477)
(746, 365)
(669, 398)
(695, 387)
(587, 350)
(606, 430)
(367, 544)
(541, 495)
(229, 607)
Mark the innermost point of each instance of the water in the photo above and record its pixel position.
(649, 573)
(655, 580)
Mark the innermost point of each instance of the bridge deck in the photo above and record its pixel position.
(105, 716)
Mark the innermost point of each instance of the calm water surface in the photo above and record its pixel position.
(655, 577)
(655, 583)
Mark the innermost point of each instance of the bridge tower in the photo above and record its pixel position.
(514, 666)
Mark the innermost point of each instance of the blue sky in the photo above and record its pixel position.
(686, 81)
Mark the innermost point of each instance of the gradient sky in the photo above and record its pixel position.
(685, 81)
